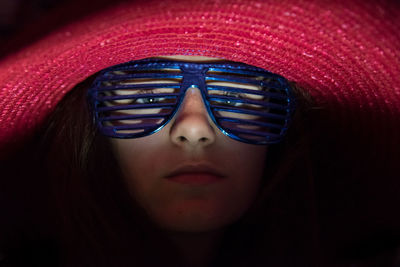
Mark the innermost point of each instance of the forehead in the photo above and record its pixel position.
(191, 58)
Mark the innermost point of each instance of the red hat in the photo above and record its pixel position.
(345, 53)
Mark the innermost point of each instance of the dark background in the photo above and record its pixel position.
(18, 15)
(24, 21)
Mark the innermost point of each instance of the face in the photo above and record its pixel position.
(189, 176)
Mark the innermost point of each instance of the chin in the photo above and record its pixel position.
(196, 218)
(193, 226)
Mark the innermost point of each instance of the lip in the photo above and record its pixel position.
(195, 175)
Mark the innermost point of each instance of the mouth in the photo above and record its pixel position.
(195, 175)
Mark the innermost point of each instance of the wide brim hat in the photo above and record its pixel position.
(346, 54)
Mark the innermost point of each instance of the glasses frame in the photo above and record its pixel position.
(193, 74)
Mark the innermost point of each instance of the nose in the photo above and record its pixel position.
(192, 127)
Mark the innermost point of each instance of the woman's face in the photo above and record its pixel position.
(189, 176)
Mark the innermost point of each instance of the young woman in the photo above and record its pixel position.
(189, 181)
(211, 168)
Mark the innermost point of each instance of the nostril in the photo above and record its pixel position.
(183, 139)
(203, 140)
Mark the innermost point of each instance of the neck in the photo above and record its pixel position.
(197, 249)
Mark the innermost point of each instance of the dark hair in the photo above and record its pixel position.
(87, 217)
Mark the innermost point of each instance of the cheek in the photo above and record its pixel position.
(137, 162)
(247, 168)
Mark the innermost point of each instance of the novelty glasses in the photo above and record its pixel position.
(139, 98)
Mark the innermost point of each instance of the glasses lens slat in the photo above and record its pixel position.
(132, 117)
(254, 133)
(139, 106)
(142, 86)
(135, 127)
(101, 98)
(282, 95)
(216, 103)
(250, 122)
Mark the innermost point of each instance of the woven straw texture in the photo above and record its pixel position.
(345, 53)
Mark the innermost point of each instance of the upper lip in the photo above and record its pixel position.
(195, 168)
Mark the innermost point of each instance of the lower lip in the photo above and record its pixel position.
(195, 178)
